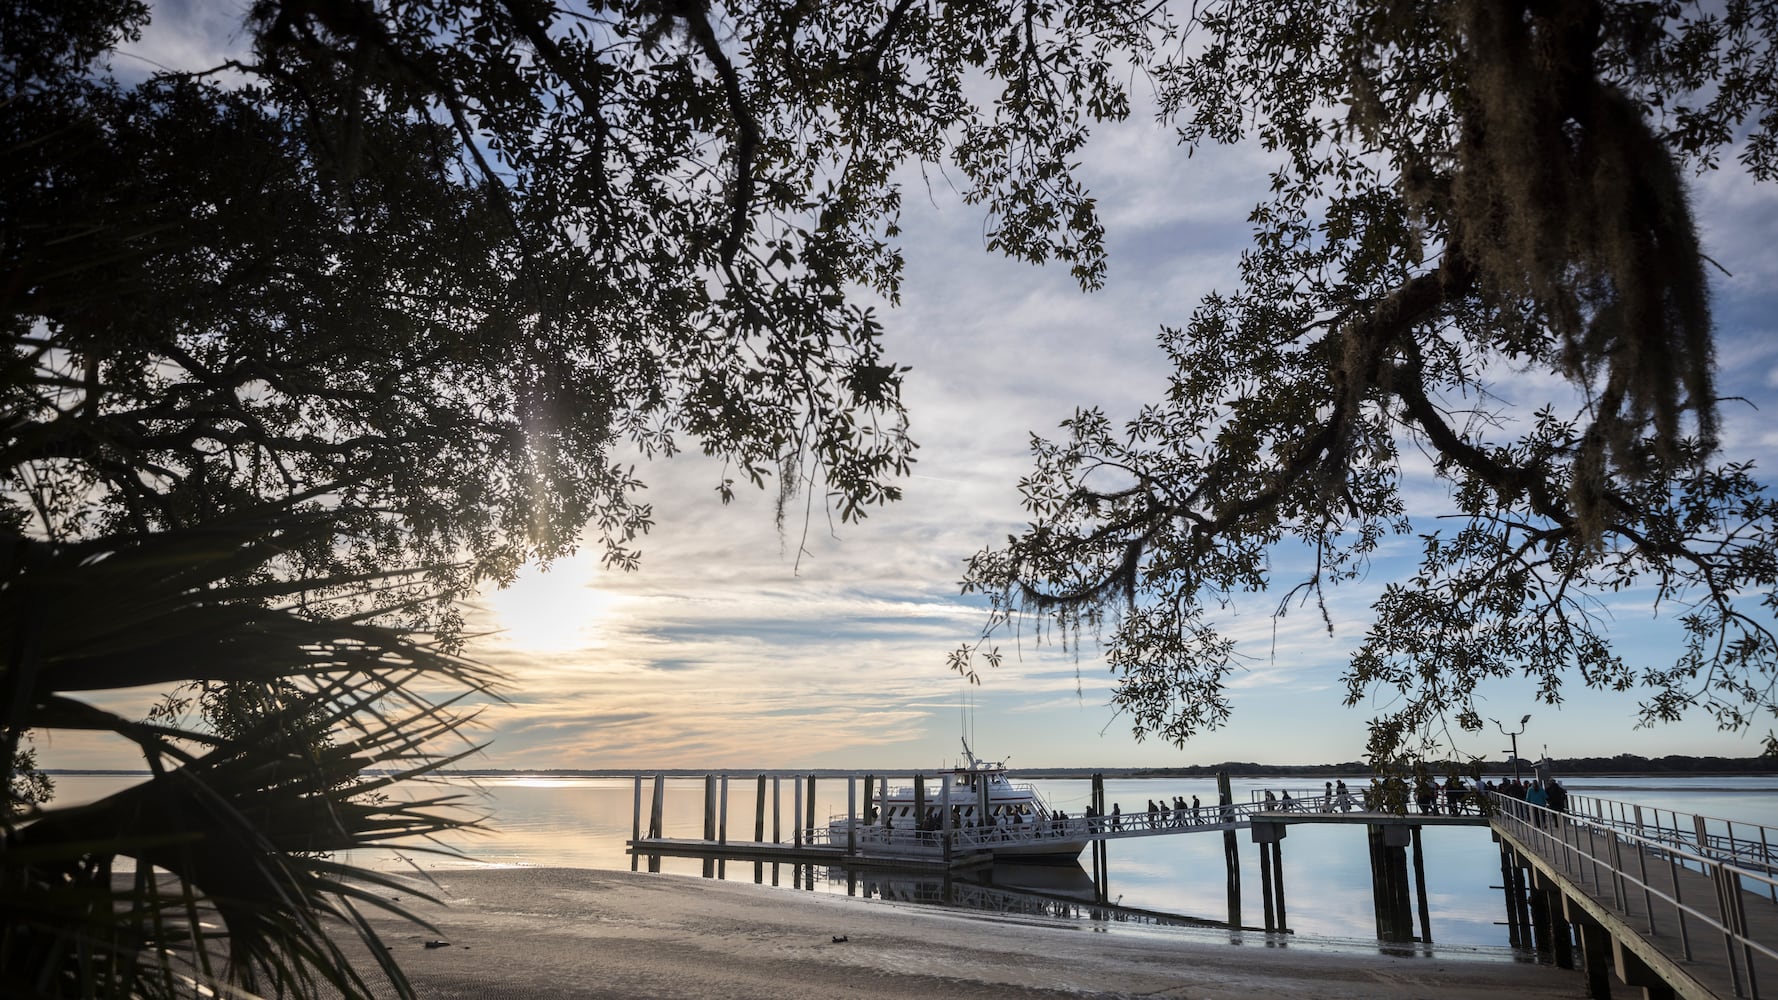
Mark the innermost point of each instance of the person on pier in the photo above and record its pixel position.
(1557, 795)
(1195, 819)
(1343, 796)
(1537, 797)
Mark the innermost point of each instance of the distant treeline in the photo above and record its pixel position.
(1623, 764)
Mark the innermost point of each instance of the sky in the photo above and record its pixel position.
(737, 646)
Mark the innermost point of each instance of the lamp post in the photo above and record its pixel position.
(1514, 736)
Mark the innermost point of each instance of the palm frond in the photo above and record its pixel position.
(218, 869)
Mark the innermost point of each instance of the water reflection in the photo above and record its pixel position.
(1062, 892)
(1042, 892)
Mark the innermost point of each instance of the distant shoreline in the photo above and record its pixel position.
(1584, 767)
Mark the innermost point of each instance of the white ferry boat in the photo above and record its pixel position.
(988, 813)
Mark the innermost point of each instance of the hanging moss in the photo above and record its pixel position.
(1574, 214)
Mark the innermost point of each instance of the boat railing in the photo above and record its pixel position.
(969, 836)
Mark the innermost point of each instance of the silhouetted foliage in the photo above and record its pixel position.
(1465, 193)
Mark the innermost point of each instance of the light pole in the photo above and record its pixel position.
(1514, 735)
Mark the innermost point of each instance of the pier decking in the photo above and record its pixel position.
(1687, 907)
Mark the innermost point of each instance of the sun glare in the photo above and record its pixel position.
(555, 611)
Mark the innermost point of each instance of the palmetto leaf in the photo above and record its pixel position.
(217, 869)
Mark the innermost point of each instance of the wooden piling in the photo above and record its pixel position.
(1094, 799)
(1595, 945)
(1522, 906)
(1231, 849)
(709, 807)
(1562, 936)
(1278, 881)
(1389, 883)
(796, 816)
(759, 813)
(1265, 883)
(809, 823)
(1506, 894)
(1420, 890)
(722, 814)
(636, 825)
(944, 816)
(1101, 851)
(852, 815)
(919, 804)
(777, 821)
(654, 812)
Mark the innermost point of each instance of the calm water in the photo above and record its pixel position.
(584, 822)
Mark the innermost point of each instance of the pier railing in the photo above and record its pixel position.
(1136, 823)
(1748, 845)
(1649, 872)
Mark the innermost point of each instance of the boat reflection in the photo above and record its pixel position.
(1060, 892)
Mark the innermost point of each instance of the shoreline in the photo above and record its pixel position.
(584, 933)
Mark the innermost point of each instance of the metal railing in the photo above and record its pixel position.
(1748, 845)
(1626, 860)
(874, 836)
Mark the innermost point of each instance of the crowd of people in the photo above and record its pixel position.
(1431, 797)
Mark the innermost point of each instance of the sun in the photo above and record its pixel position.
(561, 610)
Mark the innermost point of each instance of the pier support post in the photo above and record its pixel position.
(777, 821)
(1542, 934)
(709, 807)
(1420, 889)
(809, 822)
(944, 816)
(1231, 848)
(1101, 869)
(1634, 972)
(1265, 879)
(636, 824)
(852, 815)
(1595, 951)
(1271, 870)
(759, 812)
(1521, 906)
(1561, 930)
(1389, 882)
(1278, 881)
(796, 817)
(1506, 893)
(919, 807)
(654, 811)
(722, 814)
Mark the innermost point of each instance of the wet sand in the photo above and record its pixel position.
(561, 933)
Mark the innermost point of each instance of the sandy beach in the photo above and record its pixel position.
(560, 933)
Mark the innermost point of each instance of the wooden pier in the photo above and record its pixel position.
(1682, 909)
(1668, 908)
(853, 844)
